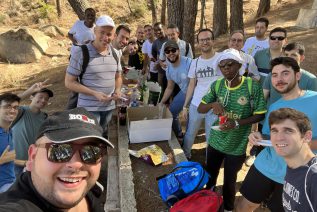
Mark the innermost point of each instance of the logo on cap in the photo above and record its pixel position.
(82, 118)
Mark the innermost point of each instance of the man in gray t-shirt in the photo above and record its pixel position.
(101, 83)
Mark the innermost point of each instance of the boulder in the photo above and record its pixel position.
(307, 18)
(23, 45)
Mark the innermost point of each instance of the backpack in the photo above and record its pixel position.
(202, 201)
(73, 96)
(186, 49)
(186, 178)
(249, 82)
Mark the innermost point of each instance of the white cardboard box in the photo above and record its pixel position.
(144, 125)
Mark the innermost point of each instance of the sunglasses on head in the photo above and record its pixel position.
(167, 51)
(277, 38)
(61, 153)
(229, 64)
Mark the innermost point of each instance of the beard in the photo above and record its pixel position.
(173, 60)
(290, 87)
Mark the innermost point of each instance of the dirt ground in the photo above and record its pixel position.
(17, 77)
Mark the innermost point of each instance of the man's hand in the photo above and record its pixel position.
(185, 112)
(102, 97)
(217, 108)
(163, 64)
(228, 125)
(36, 87)
(7, 156)
(116, 95)
(254, 137)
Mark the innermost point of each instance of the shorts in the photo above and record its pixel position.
(258, 188)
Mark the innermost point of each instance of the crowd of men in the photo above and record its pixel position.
(250, 92)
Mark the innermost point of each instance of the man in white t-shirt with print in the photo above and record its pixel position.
(201, 74)
(259, 41)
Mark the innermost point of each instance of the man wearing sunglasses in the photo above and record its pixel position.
(233, 100)
(64, 164)
(277, 40)
(9, 106)
(176, 73)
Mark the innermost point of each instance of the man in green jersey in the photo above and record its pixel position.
(241, 101)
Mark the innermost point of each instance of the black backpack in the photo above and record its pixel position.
(73, 96)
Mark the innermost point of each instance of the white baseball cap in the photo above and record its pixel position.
(105, 20)
(230, 54)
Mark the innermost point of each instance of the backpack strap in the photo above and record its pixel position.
(19, 116)
(218, 81)
(114, 54)
(187, 49)
(85, 51)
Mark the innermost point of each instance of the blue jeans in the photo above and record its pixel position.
(193, 125)
(176, 107)
(103, 117)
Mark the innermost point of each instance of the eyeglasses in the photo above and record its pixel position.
(167, 51)
(280, 38)
(9, 107)
(61, 153)
(204, 40)
(229, 64)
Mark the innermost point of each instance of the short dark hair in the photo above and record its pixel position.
(158, 24)
(286, 61)
(90, 9)
(237, 31)
(206, 30)
(147, 25)
(295, 45)
(124, 27)
(279, 29)
(9, 97)
(264, 20)
(173, 26)
(300, 119)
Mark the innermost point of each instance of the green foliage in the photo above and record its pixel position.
(138, 10)
(45, 10)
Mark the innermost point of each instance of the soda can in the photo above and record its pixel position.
(222, 119)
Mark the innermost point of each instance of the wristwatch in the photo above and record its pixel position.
(237, 124)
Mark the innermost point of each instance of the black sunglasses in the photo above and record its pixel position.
(61, 153)
(277, 38)
(229, 64)
(167, 51)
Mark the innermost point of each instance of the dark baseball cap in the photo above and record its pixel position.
(45, 90)
(171, 44)
(71, 125)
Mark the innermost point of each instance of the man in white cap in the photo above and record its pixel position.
(101, 81)
(240, 100)
(63, 166)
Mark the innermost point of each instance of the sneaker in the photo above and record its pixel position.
(250, 160)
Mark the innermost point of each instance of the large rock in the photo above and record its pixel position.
(307, 18)
(23, 45)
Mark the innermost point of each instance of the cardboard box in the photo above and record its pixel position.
(145, 126)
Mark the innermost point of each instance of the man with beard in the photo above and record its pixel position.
(136, 57)
(230, 97)
(63, 166)
(176, 72)
(277, 40)
(307, 80)
(201, 74)
(264, 181)
(259, 41)
(9, 106)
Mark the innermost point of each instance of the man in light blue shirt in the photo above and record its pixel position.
(176, 73)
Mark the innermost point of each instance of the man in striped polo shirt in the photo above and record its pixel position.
(101, 83)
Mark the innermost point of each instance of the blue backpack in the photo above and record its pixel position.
(186, 178)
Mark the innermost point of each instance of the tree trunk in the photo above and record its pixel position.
(175, 13)
(202, 14)
(236, 15)
(190, 13)
(79, 7)
(220, 23)
(59, 8)
(264, 7)
(163, 12)
(153, 9)
(129, 6)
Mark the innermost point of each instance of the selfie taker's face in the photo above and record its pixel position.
(62, 184)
